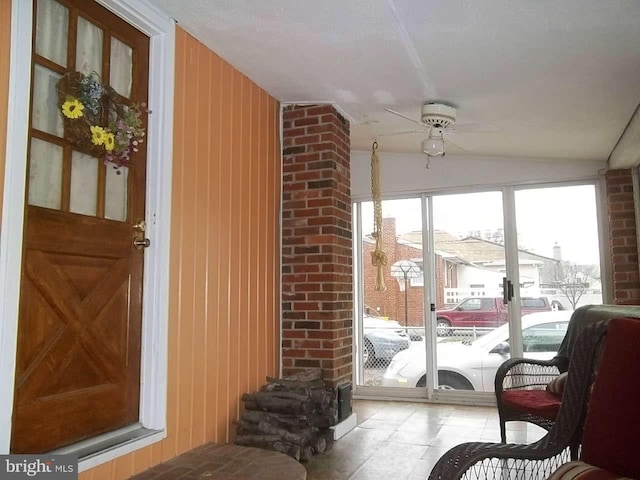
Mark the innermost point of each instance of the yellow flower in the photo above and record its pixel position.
(109, 141)
(97, 135)
(73, 108)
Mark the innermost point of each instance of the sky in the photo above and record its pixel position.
(545, 216)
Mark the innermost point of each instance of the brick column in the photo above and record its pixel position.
(624, 246)
(317, 259)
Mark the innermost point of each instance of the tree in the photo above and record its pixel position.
(573, 280)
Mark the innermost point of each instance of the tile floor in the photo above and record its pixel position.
(402, 440)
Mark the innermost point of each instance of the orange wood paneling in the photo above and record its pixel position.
(5, 47)
(224, 263)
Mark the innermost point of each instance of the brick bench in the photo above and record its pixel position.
(226, 462)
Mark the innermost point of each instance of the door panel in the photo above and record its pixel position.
(559, 257)
(393, 319)
(469, 240)
(78, 360)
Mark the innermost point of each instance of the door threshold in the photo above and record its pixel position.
(108, 446)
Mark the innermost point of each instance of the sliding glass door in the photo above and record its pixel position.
(470, 266)
(471, 280)
(392, 316)
(558, 261)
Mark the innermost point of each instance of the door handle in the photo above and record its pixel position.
(141, 243)
(505, 291)
(141, 226)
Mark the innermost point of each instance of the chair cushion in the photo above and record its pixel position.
(583, 471)
(612, 430)
(537, 402)
(557, 384)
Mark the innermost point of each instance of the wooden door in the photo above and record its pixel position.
(78, 355)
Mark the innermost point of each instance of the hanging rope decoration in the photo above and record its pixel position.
(378, 257)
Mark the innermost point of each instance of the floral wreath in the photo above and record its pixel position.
(97, 120)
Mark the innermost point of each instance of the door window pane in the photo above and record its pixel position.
(52, 25)
(121, 67)
(393, 319)
(89, 48)
(471, 319)
(116, 193)
(45, 174)
(84, 184)
(559, 248)
(45, 115)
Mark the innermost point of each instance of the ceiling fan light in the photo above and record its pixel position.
(433, 146)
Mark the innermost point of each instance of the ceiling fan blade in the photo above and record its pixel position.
(474, 128)
(404, 132)
(417, 122)
(466, 148)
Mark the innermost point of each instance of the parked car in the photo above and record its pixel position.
(382, 339)
(472, 365)
(484, 312)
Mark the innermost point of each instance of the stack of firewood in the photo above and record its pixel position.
(291, 415)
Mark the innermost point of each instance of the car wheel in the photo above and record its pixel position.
(443, 327)
(453, 381)
(556, 305)
(368, 354)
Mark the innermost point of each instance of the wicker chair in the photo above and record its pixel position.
(610, 447)
(535, 461)
(519, 374)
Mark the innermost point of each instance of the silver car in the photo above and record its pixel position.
(472, 365)
(382, 340)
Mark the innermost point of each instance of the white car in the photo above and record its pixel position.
(472, 365)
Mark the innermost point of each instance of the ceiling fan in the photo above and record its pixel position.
(437, 121)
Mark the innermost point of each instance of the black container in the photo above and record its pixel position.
(344, 401)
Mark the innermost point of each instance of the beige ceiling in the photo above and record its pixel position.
(560, 78)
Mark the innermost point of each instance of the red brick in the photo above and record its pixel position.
(308, 344)
(301, 122)
(290, 352)
(290, 333)
(306, 268)
(307, 140)
(326, 312)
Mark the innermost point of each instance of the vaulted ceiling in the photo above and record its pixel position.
(557, 79)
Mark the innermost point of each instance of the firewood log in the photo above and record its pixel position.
(272, 403)
(309, 375)
(319, 444)
(292, 384)
(291, 450)
(306, 453)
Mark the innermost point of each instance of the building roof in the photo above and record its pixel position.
(471, 249)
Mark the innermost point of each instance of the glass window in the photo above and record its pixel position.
(44, 113)
(545, 337)
(89, 48)
(116, 194)
(84, 184)
(471, 304)
(121, 67)
(52, 26)
(533, 303)
(45, 174)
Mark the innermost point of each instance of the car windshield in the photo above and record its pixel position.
(378, 322)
